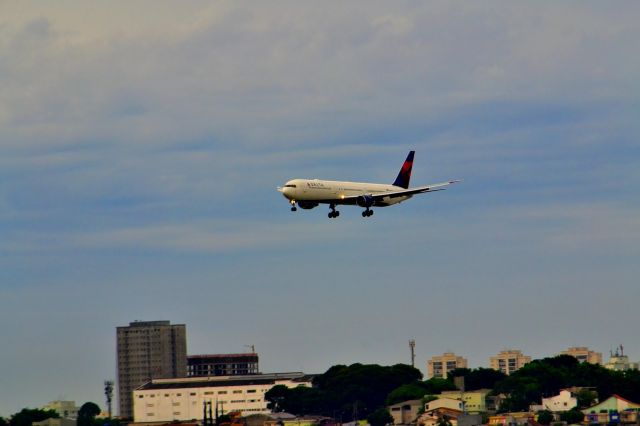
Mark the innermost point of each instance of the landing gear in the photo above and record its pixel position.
(333, 213)
(367, 213)
(293, 205)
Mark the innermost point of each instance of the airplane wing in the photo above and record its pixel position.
(406, 192)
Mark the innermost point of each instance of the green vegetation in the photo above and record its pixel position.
(87, 414)
(346, 392)
(86, 417)
(549, 375)
(358, 390)
(572, 416)
(418, 390)
(545, 417)
(28, 415)
(380, 417)
(479, 378)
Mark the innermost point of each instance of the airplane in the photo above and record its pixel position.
(309, 193)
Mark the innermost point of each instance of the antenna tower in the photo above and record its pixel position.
(108, 392)
(412, 347)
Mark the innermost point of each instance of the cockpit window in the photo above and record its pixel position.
(290, 186)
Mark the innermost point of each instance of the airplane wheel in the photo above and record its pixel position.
(330, 215)
(336, 214)
(364, 214)
(293, 209)
(370, 212)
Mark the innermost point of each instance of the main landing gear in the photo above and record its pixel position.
(293, 205)
(367, 213)
(333, 213)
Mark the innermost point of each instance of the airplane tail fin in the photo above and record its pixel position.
(405, 172)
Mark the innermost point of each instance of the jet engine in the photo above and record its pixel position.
(307, 204)
(365, 200)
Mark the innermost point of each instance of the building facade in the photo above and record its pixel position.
(440, 366)
(564, 401)
(475, 402)
(148, 350)
(222, 365)
(620, 362)
(65, 409)
(168, 400)
(405, 412)
(583, 354)
(508, 361)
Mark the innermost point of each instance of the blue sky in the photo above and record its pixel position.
(141, 145)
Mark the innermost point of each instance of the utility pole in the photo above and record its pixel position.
(412, 347)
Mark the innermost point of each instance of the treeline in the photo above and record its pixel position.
(86, 416)
(357, 391)
(546, 377)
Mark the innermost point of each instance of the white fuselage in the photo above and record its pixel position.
(331, 191)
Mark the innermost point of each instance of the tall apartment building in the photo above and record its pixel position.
(583, 354)
(222, 365)
(508, 361)
(439, 366)
(148, 350)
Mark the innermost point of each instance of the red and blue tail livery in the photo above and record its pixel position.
(405, 172)
(309, 193)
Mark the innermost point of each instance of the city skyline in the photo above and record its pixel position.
(139, 160)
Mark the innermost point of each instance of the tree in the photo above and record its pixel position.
(380, 417)
(3, 422)
(87, 414)
(27, 416)
(406, 392)
(545, 417)
(343, 391)
(479, 378)
(437, 385)
(586, 398)
(572, 416)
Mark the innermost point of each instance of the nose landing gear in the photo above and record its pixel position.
(293, 205)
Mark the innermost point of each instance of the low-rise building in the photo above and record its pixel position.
(448, 408)
(512, 419)
(614, 403)
(564, 401)
(65, 409)
(405, 412)
(167, 400)
(56, 422)
(475, 402)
